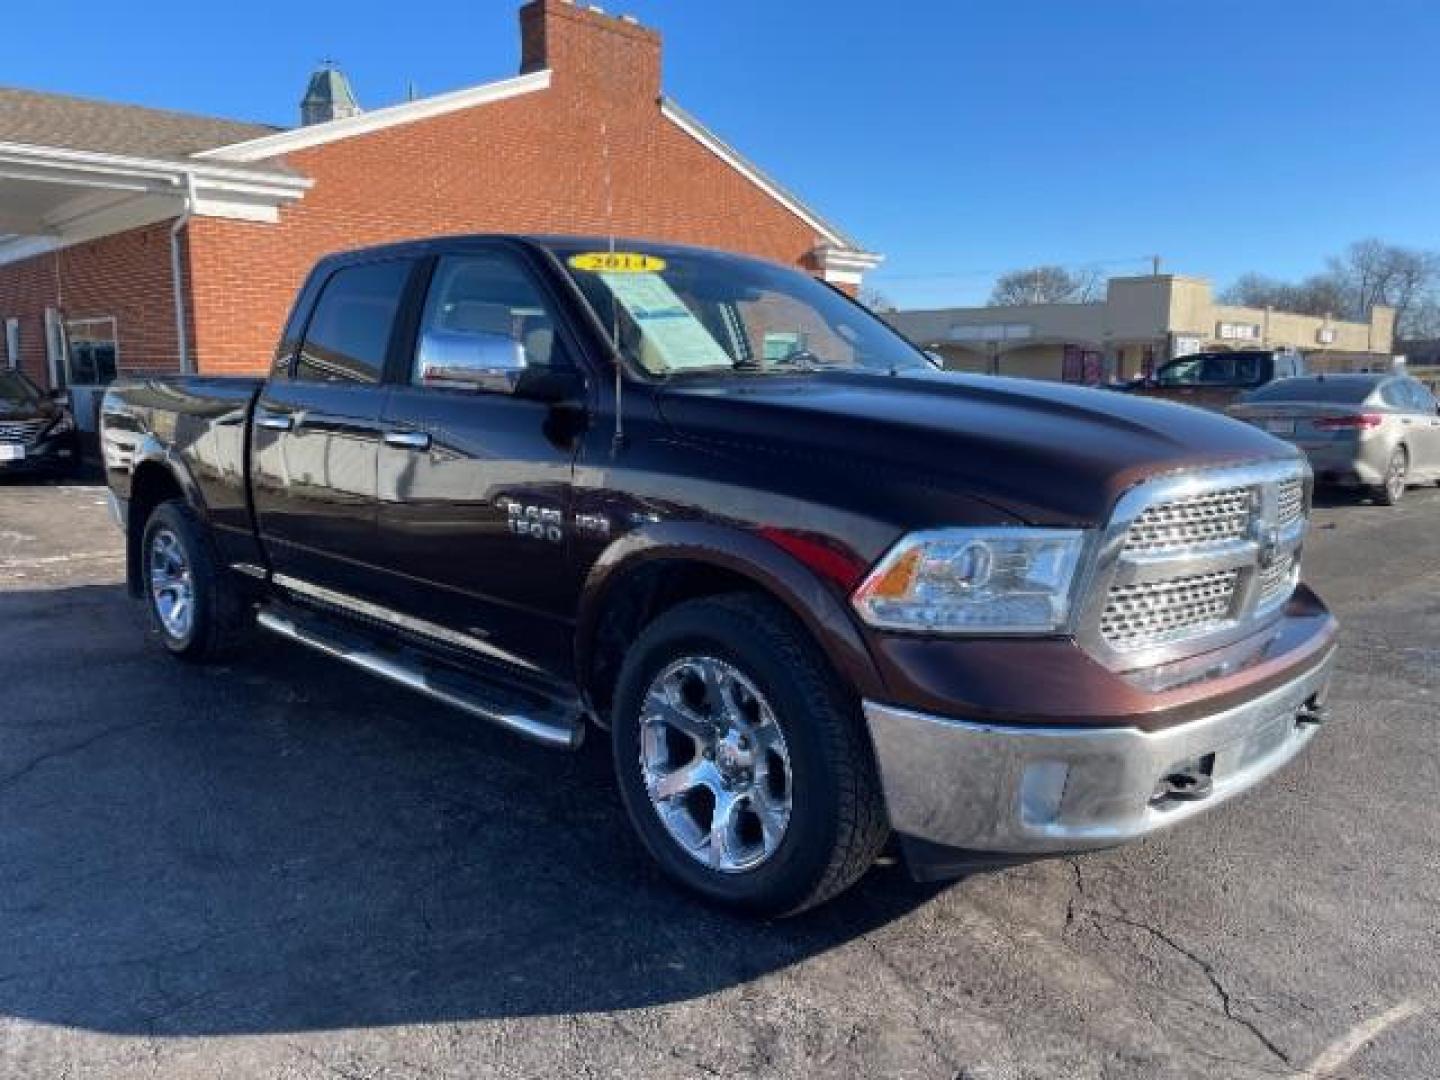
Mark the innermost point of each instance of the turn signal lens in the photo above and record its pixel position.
(974, 581)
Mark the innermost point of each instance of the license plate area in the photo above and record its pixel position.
(12, 452)
(1280, 427)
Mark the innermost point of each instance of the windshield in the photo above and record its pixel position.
(1213, 369)
(1341, 390)
(677, 312)
(16, 389)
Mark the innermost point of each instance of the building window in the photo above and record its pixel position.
(92, 353)
(12, 343)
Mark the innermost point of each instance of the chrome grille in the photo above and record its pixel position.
(1291, 500)
(1154, 612)
(1212, 518)
(1195, 560)
(1276, 580)
(21, 431)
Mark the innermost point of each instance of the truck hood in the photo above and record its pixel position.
(1046, 453)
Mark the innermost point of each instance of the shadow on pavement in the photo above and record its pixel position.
(281, 845)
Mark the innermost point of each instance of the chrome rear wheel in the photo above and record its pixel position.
(172, 584)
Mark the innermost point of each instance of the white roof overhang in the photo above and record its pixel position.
(51, 196)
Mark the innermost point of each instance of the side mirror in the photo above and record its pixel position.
(59, 396)
(471, 360)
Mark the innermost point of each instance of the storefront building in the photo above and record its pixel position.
(1142, 323)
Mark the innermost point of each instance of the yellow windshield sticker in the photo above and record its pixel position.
(617, 262)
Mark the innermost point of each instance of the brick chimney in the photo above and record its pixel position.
(586, 45)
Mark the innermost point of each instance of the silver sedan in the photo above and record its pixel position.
(1378, 432)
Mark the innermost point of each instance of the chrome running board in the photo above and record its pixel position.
(550, 724)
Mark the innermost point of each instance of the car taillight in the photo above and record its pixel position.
(1363, 421)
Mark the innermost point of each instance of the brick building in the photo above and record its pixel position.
(134, 240)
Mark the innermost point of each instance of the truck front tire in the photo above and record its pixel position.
(742, 760)
(192, 608)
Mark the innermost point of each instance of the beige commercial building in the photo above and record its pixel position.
(1142, 323)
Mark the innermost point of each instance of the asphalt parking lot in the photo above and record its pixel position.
(280, 868)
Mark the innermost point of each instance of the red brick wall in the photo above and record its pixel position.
(126, 276)
(532, 163)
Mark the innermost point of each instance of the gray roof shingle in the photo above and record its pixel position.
(72, 123)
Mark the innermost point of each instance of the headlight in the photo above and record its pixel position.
(974, 581)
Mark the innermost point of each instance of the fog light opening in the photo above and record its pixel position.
(1042, 789)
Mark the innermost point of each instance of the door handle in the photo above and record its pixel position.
(408, 440)
(275, 421)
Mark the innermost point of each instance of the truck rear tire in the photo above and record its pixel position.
(192, 608)
(742, 760)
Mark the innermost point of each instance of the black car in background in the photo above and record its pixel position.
(37, 431)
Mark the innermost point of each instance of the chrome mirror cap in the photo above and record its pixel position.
(471, 360)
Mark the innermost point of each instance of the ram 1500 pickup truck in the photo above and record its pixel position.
(810, 589)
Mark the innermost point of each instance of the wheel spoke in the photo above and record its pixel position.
(680, 717)
(773, 820)
(682, 781)
(722, 828)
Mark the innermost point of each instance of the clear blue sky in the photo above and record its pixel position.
(959, 137)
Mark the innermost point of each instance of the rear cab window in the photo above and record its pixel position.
(349, 333)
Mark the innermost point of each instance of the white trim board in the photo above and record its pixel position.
(302, 138)
(707, 139)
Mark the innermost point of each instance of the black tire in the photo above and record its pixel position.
(221, 618)
(1390, 493)
(837, 825)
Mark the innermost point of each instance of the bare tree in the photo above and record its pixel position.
(1046, 285)
(1318, 295)
(874, 299)
(1373, 272)
(1369, 272)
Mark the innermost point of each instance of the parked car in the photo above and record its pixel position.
(1378, 432)
(37, 432)
(810, 589)
(1215, 380)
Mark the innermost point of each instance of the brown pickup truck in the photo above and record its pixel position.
(1217, 380)
(811, 591)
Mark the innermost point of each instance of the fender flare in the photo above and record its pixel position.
(742, 552)
(151, 454)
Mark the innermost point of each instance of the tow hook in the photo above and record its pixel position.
(1188, 781)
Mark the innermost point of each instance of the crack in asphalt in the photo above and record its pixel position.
(1211, 976)
(73, 748)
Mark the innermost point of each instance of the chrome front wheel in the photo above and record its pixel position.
(715, 764)
(172, 584)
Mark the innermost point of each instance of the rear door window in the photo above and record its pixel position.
(349, 333)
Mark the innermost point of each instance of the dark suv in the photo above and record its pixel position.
(37, 432)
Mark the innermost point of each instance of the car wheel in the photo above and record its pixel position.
(742, 760)
(1397, 476)
(194, 610)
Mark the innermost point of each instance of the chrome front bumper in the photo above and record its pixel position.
(1038, 790)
